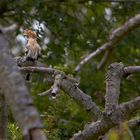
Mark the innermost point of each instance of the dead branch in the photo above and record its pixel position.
(116, 36)
(134, 123)
(100, 127)
(8, 29)
(69, 85)
(131, 69)
(117, 115)
(104, 59)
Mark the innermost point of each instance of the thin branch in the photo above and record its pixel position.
(56, 85)
(113, 79)
(8, 29)
(104, 59)
(134, 123)
(131, 69)
(115, 37)
(46, 93)
(69, 85)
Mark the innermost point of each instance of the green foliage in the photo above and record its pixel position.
(13, 132)
(74, 30)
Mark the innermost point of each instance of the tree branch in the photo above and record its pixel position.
(69, 85)
(131, 69)
(100, 127)
(134, 123)
(8, 29)
(117, 115)
(116, 36)
(113, 79)
(104, 59)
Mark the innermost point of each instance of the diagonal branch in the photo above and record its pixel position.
(104, 59)
(69, 85)
(115, 37)
(8, 29)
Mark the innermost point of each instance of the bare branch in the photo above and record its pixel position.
(45, 93)
(118, 114)
(130, 106)
(113, 79)
(131, 69)
(69, 85)
(104, 59)
(56, 85)
(8, 29)
(100, 127)
(115, 37)
(134, 123)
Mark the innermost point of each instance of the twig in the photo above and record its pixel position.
(115, 37)
(104, 59)
(46, 93)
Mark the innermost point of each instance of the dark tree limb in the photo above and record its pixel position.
(116, 36)
(16, 94)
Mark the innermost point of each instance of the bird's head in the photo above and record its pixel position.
(29, 33)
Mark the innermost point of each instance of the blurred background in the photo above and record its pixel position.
(67, 32)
